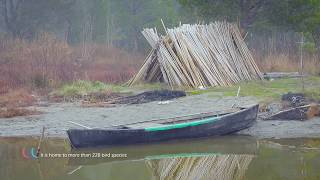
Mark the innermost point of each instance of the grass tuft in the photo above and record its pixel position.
(81, 87)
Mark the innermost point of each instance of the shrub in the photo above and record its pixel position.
(48, 62)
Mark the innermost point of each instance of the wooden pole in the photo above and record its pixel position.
(301, 61)
(238, 93)
(164, 27)
(40, 140)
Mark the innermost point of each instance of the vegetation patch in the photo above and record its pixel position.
(47, 62)
(83, 88)
(13, 112)
(313, 94)
(266, 90)
(17, 98)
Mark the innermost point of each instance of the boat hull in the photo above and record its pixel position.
(227, 124)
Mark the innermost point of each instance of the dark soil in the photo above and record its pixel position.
(90, 98)
(149, 96)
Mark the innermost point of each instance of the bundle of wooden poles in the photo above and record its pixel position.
(197, 55)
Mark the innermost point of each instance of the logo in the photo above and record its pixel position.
(29, 153)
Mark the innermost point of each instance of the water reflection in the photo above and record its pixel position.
(14, 165)
(195, 166)
(216, 158)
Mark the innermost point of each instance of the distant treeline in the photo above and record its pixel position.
(119, 22)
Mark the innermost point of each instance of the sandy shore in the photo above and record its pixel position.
(284, 129)
(55, 117)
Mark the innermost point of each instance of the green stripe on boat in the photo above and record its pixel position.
(181, 125)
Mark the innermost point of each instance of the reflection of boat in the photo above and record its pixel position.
(222, 145)
(197, 166)
(191, 126)
(210, 158)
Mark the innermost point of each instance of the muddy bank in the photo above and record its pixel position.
(284, 129)
(56, 115)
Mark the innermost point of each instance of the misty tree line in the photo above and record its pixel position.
(264, 15)
(119, 22)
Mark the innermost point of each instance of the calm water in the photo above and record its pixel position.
(216, 158)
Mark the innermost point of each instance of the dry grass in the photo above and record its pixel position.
(313, 111)
(17, 98)
(38, 64)
(48, 62)
(280, 52)
(109, 64)
(12, 103)
(13, 112)
(283, 63)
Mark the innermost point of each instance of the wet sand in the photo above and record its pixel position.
(55, 117)
(284, 129)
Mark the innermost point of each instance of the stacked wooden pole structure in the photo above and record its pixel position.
(198, 55)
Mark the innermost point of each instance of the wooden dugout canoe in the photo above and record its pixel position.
(191, 126)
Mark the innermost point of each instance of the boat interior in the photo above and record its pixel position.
(174, 120)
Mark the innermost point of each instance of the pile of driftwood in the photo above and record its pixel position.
(198, 55)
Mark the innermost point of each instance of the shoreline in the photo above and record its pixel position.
(56, 116)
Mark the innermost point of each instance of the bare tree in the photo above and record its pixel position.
(10, 10)
(249, 10)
